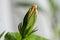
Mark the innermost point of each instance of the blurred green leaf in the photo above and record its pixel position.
(16, 36)
(20, 28)
(2, 34)
(12, 36)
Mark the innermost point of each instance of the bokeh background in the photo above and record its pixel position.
(12, 13)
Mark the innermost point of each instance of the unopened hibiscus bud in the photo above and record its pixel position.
(28, 22)
(30, 19)
(30, 16)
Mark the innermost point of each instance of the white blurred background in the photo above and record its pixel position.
(11, 15)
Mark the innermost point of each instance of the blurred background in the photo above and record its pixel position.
(12, 13)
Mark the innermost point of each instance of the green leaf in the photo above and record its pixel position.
(20, 28)
(16, 36)
(2, 34)
(12, 36)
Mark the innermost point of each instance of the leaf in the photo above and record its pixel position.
(20, 28)
(16, 36)
(35, 37)
(12, 36)
(2, 34)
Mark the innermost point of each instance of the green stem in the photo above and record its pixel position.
(22, 38)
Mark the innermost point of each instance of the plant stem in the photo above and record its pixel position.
(22, 38)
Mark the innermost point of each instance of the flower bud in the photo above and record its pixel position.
(30, 16)
(30, 19)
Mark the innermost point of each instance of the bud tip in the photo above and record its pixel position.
(35, 6)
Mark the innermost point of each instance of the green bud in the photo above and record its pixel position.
(30, 19)
(30, 16)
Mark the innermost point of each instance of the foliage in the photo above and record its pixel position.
(2, 34)
(17, 36)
